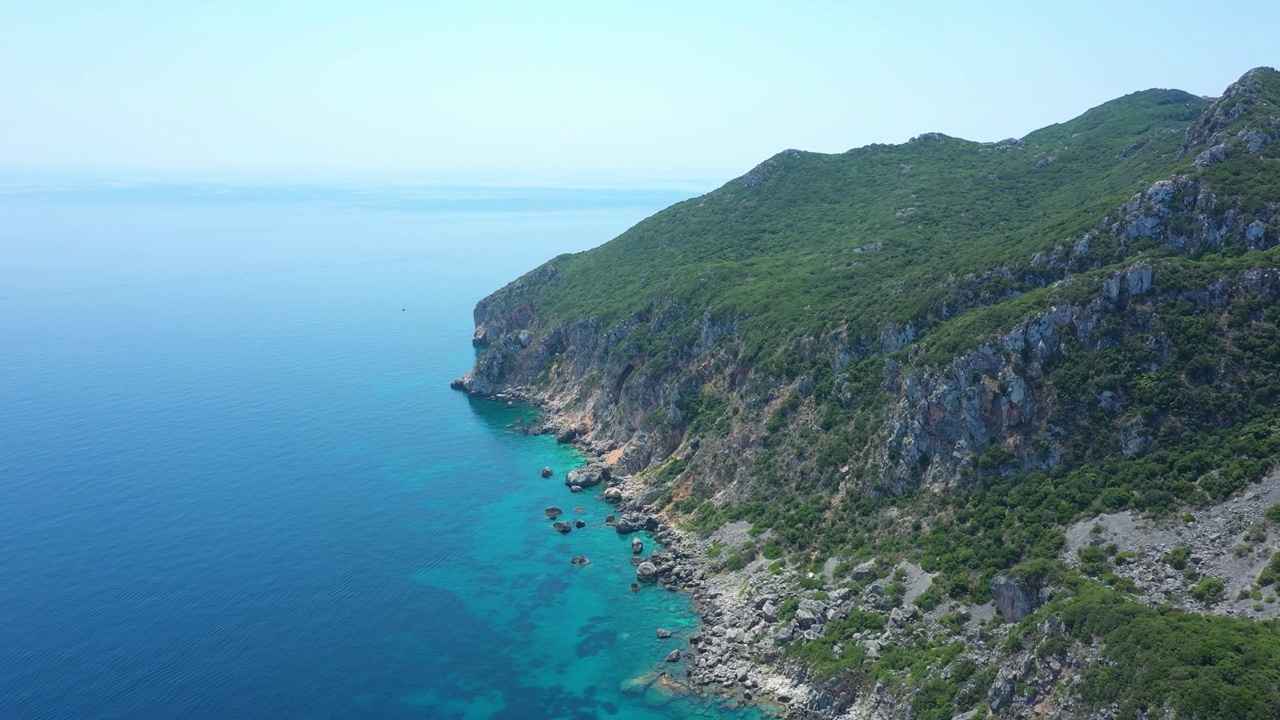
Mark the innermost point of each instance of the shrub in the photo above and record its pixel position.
(1177, 558)
(1209, 590)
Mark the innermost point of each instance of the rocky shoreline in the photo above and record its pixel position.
(751, 611)
(717, 662)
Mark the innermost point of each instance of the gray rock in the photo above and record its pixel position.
(805, 619)
(816, 608)
(587, 475)
(1001, 692)
(637, 545)
(769, 613)
(673, 656)
(663, 633)
(865, 571)
(561, 527)
(546, 472)
(613, 495)
(553, 512)
(646, 572)
(1013, 601)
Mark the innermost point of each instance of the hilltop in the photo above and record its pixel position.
(911, 370)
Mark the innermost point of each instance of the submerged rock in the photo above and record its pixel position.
(553, 512)
(580, 560)
(546, 471)
(561, 527)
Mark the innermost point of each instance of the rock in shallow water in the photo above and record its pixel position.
(587, 475)
(646, 572)
(561, 527)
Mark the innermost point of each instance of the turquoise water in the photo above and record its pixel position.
(234, 482)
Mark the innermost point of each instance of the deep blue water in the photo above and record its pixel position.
(234, 482)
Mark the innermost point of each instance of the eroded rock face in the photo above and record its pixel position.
(1012, 600)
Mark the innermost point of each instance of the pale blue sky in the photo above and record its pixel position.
(556, 92)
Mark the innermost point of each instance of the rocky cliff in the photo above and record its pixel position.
(942, 352)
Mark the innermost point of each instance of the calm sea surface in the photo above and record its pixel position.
(234, 482)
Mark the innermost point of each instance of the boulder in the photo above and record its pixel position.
(579, 523)
(865, 571)
(673, 656)
(663, 633)
(769, 613)
(635, 587)
(561, 527)
(646, 572)
(553, 512)
(588, 475)
(546, 472)
(805, 619)
(630, 522)
(816, 607)
(613, 495)
(637, 546)
(579, 560)
(575, 488)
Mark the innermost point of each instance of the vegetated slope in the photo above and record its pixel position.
(943, 351)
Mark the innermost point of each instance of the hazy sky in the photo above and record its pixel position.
(574, 91)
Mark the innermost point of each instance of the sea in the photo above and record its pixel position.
(234, 482)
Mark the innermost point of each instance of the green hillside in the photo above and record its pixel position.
(946, 353)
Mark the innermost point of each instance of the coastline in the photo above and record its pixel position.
(718, 660)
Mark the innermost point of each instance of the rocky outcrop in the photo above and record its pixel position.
(1012, 600)
(647, 572)
(588, 475)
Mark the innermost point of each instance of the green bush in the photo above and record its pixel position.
(1197, 666)
(1273, 513)
(1177, 558)
(1209, 590)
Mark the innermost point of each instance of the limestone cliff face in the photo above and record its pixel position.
(604, 392)
(989, 403)
(941, 417)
